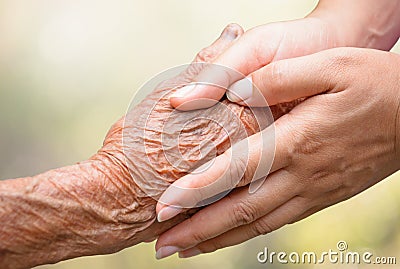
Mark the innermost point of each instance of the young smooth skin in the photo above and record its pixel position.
(334, 23)
(341, 140)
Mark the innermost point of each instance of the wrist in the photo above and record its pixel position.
(83, 211)
(363, 23)
(134, 210)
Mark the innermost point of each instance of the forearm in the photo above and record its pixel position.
(362, 23)
(73, 211)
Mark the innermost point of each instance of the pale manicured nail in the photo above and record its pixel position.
(168, 213)
(166, 251)
(182, 92)
(241, 90)
(190, 253)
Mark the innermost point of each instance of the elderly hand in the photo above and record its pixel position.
(344, 138)
(102, 205)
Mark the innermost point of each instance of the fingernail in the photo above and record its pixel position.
(184, 91)
(230, 32)
(190, 253)
(166, 251)
(241, 90)
(168, 213)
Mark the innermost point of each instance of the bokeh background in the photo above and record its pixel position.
(68, 70)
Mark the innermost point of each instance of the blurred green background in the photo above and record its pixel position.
(68, 70)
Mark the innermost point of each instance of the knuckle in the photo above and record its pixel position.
(243, 213)
(252, 36)
(303, 139)
(340, 60)
(273, 78)
(261, 227)
(205, 54)
(199, 236)
(306, 143)
(295, 138)
(277, 71)
(342, 56)
(277, 74)
(241, 174)
(232, 170)
(286, 130)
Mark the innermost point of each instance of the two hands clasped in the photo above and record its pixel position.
(341, 136)
(342, 139)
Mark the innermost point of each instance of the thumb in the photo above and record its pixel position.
(288, 80)
(245, 55)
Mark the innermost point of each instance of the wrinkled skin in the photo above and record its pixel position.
(339, 142)
(96, 206)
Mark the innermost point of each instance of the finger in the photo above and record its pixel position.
(288, 80)
(308, 213)
(149, 240)
(246, 55)
(206, 55)
(250, 159)
(239, 208)
(326, 199)
(276, 219)
(230, 33)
